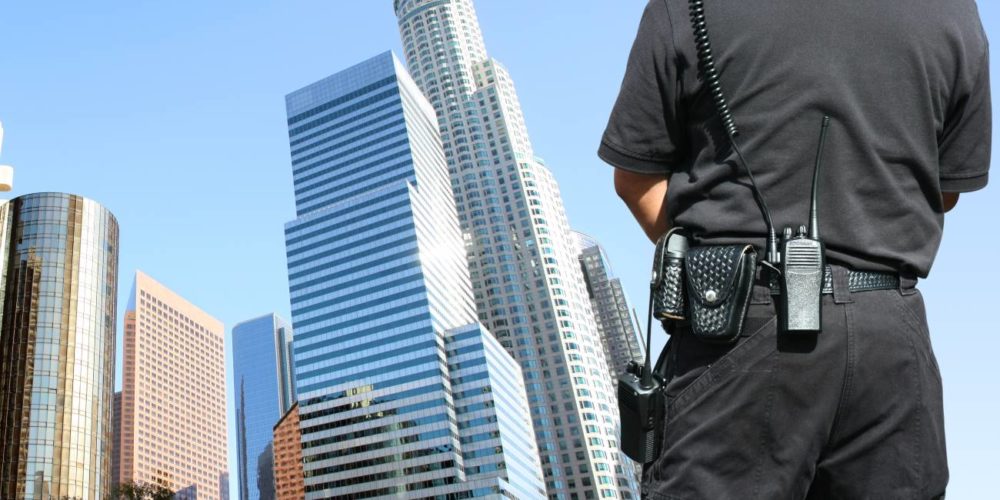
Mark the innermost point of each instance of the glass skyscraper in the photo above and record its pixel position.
(57, 346)
(264, 387)
(522, 255)
(401, 392)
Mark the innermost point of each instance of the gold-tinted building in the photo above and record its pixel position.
(288, 476)
(59, 261)
(173, 426)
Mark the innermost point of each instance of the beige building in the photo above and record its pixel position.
(288, 475)
(173, 394)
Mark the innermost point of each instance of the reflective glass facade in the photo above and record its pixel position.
(522, 255)
(264, 389)
(57, 346)
(498, 447)
(381, 298)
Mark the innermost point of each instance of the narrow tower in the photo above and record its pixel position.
(620, 334)
(264, 387)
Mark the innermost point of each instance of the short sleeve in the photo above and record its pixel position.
(642, 132)
(965, 145)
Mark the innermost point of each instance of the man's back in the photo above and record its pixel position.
(856, 410)
(907, 86)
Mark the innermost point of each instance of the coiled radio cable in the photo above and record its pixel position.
(706, 63)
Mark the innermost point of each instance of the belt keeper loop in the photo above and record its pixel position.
(841, 286)
(907, 285)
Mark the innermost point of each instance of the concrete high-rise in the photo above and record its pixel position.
(59, 259)
(264, 388)
(401, 391)
(620, 334)
(173, 394)
(287, 444)
(522, 256)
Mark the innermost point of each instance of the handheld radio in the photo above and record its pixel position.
(641, 403)
(803, 264)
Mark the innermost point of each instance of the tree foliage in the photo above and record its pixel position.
(140, 491)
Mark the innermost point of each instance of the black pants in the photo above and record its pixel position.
(852, 413)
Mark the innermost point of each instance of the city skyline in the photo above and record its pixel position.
(119, 102)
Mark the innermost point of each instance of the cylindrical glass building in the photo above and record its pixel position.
(59, 263)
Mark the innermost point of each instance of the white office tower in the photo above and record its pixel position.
(522, 256)
(6, 171)
(402, 393)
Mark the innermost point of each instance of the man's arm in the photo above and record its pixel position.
(646, 196)
(644, 138)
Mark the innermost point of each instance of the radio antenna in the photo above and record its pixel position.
(813, 215)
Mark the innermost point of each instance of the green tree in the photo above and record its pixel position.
(139, 491)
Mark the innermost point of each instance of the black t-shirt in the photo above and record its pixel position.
(906, 83)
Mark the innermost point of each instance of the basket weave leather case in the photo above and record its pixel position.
(719, 283)
(668, 281)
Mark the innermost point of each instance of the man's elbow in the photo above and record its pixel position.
(950, 200)
(631, 186)
(622, 187)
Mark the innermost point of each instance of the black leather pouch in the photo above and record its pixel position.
(719, 284)
(668, 276)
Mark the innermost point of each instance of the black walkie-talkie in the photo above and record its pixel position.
(641, 408)
(641, 404)
(803, 264)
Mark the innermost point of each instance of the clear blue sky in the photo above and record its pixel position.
(171, 114)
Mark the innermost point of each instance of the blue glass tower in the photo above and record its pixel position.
(401, 391)
(264, 388)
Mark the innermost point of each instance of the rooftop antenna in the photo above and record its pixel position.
(6, 171)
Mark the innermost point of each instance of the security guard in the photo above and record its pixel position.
(854, 412)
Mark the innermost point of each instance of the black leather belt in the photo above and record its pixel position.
(857, 281)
